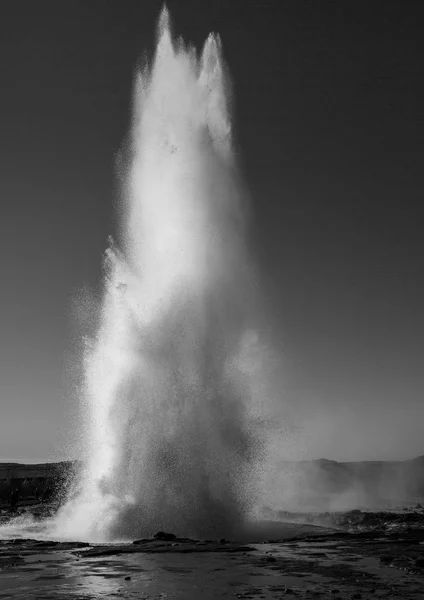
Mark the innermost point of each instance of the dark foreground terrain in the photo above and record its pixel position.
(369, 555)
(321, 551)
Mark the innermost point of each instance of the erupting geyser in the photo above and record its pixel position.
(168, 383)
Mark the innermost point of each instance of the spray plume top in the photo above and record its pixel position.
(211, 59)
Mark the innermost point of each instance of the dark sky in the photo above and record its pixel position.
(329, 118)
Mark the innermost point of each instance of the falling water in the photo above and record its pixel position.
(167, 376)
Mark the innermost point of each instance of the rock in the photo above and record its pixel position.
(386, 559)
(161, 535)
(183, 547)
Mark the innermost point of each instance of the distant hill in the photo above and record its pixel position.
(330, 485)
(316, 485)
(9, 470)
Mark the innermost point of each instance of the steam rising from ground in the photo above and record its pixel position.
(169, 376)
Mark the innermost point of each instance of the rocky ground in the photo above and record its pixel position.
(354, 555)
(397, 519)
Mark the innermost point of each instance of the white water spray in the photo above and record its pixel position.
(167, 378)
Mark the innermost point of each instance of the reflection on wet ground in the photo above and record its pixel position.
(337, 566)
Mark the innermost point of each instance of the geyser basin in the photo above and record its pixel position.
(168, 383)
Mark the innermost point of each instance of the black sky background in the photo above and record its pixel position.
(329, 121)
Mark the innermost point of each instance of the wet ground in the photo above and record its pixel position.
(309, 563)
